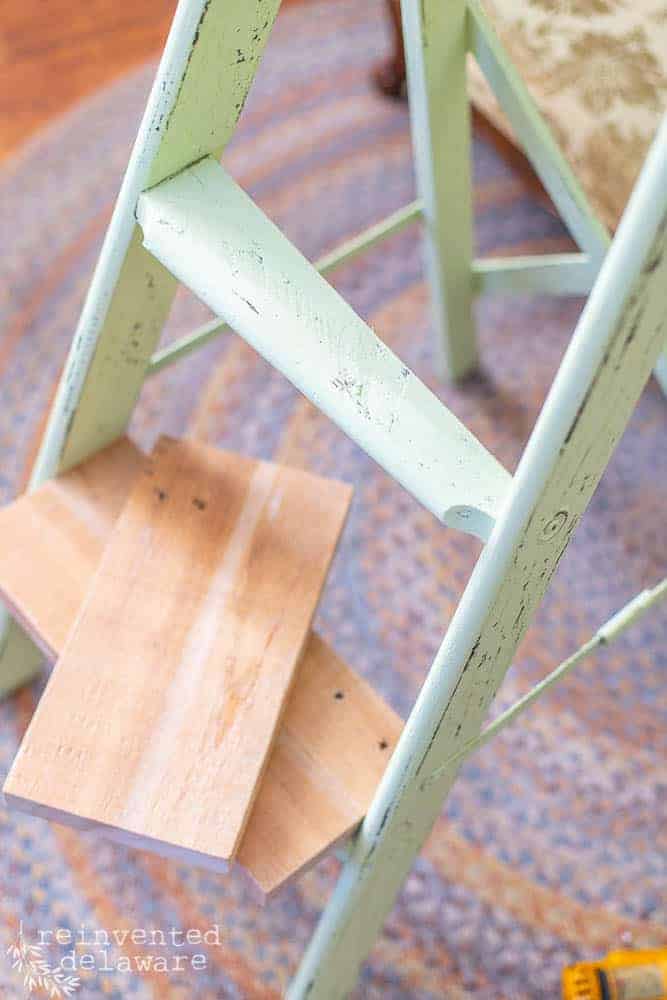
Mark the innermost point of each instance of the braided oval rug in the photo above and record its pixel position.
(552, 845)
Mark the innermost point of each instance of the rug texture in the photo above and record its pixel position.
(552, 846)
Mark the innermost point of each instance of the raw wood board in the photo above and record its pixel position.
(334, 743)
(160, 714)
(336, 734)
(53, 539)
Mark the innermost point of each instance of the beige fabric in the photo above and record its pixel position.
(598, 72)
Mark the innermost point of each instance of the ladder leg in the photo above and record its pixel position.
(618, 340)
(20, 659)
(198, 94)
(436, 51)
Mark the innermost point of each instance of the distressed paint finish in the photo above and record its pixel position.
(632, 612)
(618, 339)
(535, 135)
(561, 274)
(106, 366)
(435, 45)
(204, 76)
(205, 229)
(342, 254)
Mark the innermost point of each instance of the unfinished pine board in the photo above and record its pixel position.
(52, 541)
(333, 745)
(336, 733)
(159, 717)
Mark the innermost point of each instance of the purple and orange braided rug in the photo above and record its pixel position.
(552, 846)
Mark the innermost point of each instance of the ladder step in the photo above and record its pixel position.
(332, 749)
(184, 651)
(336, 733)
(215, 240)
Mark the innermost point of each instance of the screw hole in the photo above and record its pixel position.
(339, 695)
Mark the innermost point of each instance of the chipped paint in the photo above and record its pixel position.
(220, 244)
(619, 336)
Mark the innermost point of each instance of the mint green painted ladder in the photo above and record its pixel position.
(180, 217)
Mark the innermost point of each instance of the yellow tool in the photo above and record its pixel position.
(622, 975)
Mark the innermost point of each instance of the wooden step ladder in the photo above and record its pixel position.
(181, 217)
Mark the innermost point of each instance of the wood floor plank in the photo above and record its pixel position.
(160, 714)
(336, 734)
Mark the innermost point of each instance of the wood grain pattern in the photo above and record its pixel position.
(336, 734)
(52, 55)
(334, 743)
(52, 541)
(160, 715)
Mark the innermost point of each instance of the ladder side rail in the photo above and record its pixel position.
(208, 63)
(630, 613)
(207, 67)
(618, 339)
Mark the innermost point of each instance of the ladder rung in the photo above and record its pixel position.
(558, 273)
(342, 254)
(330, 751)
(215, 240)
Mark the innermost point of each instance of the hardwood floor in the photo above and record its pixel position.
(52, 54)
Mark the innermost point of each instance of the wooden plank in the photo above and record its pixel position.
(213, 237)
(335, 740)
(184, 652)
(62, 528)
(330, 751)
